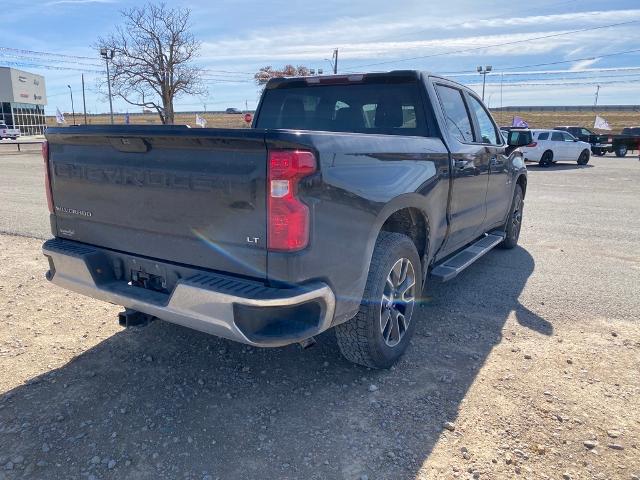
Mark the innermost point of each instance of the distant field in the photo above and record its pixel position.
(617, 119)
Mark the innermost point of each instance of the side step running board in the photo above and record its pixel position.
(451, 267)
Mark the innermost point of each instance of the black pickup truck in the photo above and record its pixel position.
(629, 139)
(330, 212)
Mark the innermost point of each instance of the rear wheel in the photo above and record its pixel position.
(547, 159)
(380, 332)
(514, 220)
(583, 159)
(621, 151)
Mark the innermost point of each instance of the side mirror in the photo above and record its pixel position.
(519, 138)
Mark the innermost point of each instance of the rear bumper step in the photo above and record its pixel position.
(242, 310)
(452, 266)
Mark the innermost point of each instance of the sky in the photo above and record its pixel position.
(542, 52)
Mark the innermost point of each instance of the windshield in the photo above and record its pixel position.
(360, 108)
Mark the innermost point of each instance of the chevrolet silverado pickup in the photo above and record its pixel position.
(344, 197)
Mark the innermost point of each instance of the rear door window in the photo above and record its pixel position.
(487, 128)
(543, 136)
(456, 114)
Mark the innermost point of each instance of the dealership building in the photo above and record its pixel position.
(22, 101)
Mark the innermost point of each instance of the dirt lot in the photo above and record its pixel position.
(532, 355)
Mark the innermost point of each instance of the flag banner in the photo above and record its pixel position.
(59, 116)
(201, 121)
(519, 122)
(601, 124)
(127, 120)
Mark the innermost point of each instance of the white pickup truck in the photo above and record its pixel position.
(6, 132)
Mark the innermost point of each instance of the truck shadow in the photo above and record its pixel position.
(167, 402)
(558, 166)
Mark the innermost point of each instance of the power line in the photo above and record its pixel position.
(513, 42)
(560, 62)
(48, 54)
(47, 67)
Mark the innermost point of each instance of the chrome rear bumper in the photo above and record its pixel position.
(242, 310)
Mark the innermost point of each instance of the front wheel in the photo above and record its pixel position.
(381, 330)
(514, 220)
(583, 159)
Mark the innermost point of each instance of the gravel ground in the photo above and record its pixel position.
(526, 366)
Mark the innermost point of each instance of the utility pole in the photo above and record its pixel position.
(84, 102)
(335, 61)
(483, 71)
(108, 54)
(73, 110)
(597, 92)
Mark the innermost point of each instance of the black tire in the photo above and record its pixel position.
(583, 159)
(363, 339)
(547, 159)
(514, 220)
(621, 151)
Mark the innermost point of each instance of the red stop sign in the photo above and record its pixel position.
(248, 117)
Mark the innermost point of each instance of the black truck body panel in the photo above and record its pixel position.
(197, 198)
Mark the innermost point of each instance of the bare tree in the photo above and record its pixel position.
(266, 73)
(154, 58)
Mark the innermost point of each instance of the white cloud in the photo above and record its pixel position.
(583, 64)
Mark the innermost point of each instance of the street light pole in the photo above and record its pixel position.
(84, 101)
(108, 54)
(483, 71)
(73, 110)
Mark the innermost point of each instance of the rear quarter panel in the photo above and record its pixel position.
(362, 180)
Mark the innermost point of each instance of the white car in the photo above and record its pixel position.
(550, 146)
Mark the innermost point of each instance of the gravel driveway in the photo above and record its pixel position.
(525, 366)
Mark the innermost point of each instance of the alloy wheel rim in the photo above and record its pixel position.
(517, 217)
(398, 300)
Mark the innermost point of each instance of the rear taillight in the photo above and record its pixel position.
(288, 227)
(47, 178)
(532, 144)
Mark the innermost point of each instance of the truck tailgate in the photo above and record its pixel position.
(195, 197)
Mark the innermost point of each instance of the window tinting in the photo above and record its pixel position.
(557, 137)
(487, 128)
(584, 131)
(458, 122)
(568, 137)
(543, 136)
(360, 108)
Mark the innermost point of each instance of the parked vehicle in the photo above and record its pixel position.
(331, 211)
(600, 144)
(6, 132)
(551, 146)
(629, 139)
(233, 111)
